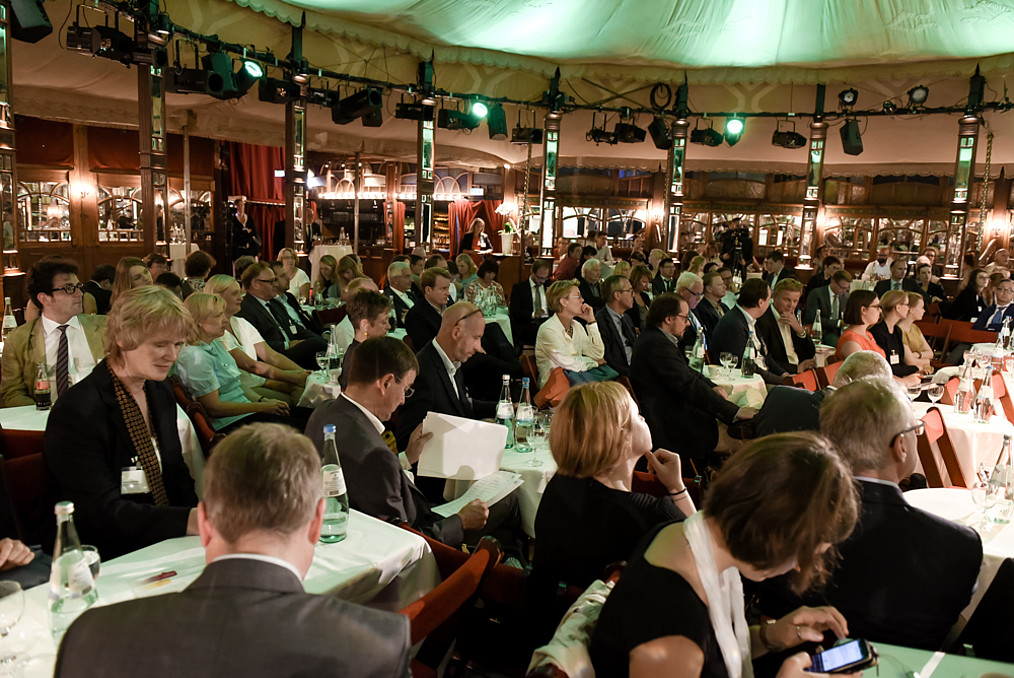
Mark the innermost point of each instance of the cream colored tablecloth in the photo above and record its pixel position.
(318, 390)
(534, 480)
(974, 443)
(377, 563)
(744, 391)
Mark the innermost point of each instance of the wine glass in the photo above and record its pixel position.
(914, 391)
(12, 606)
(92, 557)
(935, 392)
(728, 361)
(540, 435)
(322, 362)
(335, 365)
(985, 497)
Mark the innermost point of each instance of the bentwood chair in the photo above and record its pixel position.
(826, 374)
(934, 446)
(206, 433)
(23, 479)
(1001, 394)
(807, 380)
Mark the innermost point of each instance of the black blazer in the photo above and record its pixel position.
(678, 403)
(521, 308)
(935, 290)
(777, 357)
(819, 301)
(788, 408)
(966, 305)
(309, 322)
(435, 393)
(730, 335)
(592, 294)
(907, 285)
(615, 355)
(708, 316)
(102, 297)
(85, 446)
(376, 483)
(422, 322)
(274, 334)
(783, 274)
(401, 309)
(658, 285)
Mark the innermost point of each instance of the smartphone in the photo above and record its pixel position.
(848, 656)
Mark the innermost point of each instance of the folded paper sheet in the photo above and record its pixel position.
(463, 449)
(490, 489)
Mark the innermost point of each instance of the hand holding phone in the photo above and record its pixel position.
(846, 657)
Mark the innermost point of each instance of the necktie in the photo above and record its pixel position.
(895, 285)
(628, 329)
(281, 317)
(834, 308)
(997, 319)
(62, 360)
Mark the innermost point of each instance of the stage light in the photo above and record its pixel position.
(526, 135)
(496, 121)
(450, 119)
(628, 133)
(29, 22)
(221, 79)
(365, 102)
(413, 112)
(479, 109)
(275, 91)
(186, 80)
(110, 43)
(917, 95)
(848, 97)
(660, 134)
(788, 139)
(733, 130)
(708, 136)
(851, 138)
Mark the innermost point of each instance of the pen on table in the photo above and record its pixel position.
(159, 577)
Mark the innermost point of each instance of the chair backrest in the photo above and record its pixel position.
(627, 384)
(529, 367)
(807, 380)
(963, 333)
(647, 482)
(206, 433)
(408, 342)
(932, 312)
(936, 443)
(24, 484)
(1001, 393)
(826, 374)
(950, 391)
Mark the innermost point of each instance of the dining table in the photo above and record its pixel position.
(377, 564)
(743, 391)
(974, 442)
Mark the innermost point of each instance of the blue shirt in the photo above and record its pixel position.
(206, 368)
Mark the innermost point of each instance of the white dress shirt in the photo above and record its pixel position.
(555, 348)
(80, 361)
(751, 324)
(449, 365)
(786, 332)
(874, 271)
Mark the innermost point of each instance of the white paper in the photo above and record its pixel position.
(490, 489)
(462, 449)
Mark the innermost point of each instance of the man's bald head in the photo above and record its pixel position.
(461, 330)
(359, 284)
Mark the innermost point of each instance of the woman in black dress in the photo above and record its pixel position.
(476, 239)
(969, 303)
(887, 334)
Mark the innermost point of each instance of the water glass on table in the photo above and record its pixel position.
(935, 392)
(323, 361)
(540, 435)
(12, 606)
(729, 361)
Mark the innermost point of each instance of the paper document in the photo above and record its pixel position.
(490, 489)
(462, 449)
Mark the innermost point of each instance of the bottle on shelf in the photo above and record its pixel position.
(749, 363)
(965, 395)
(984, 398)
(71, 586)
(524, 420)
(336, 496)
(9, 322)
(505, 411)
(43, 391)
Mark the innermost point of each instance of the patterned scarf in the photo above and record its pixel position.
(140, 438)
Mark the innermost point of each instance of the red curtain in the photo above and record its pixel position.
(252, 173)
(44, 142)
(113, 149)
(460, 214)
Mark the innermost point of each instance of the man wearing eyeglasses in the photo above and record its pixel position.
(528, 308)
(904, 575)
(615, 326)
(690, 286)
(69, 343)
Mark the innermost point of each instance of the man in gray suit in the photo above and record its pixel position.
(247, 614)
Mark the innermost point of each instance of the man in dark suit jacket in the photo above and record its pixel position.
(905, 574)
(267, 314)
(101, 287)
(690, 286)
(247, 613)
(422, 322)
(378, 380)
(993, 317)
(774, 265)
(399, 289)
(897, 281)
(528, 309)
(829, 301)
(779, 330)
(710, 309)
(680, 405)
(615, 325)
(733, 330)
(664, 280)
(294, 309)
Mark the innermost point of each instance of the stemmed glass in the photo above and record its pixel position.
(935, 392)
(540, 435)
(914, 391)
(985, 497)
(728, 361)
(323, 361)
(12, 606)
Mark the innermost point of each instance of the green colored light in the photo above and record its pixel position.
(479, 109)
(733, 130)
(253, 69)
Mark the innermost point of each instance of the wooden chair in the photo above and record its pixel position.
(932, 312)
(937, 336)
(627, 384)
(826, 374)
(646, 482)
(206, 433)
(807, 380)
(529, 368)
(408, 342)
(23, 478)
(1001, 393)
(434, 617)
(962, 333)
(330, 316)
(936, 435)
(950, 391)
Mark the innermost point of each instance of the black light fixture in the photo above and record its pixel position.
(451, 119)
(851, 138)
(221, 79)
(599, 134)
(366, 102)
(917, 95)
(733, 130)
(275, 91)
(848, 97)
(526, 135)
(496, 121)
(787, 138)
(29, 22)
(707, 136)
(627, 132)
(186, 81)
(660, 133)
(109, 42)
(413, 111)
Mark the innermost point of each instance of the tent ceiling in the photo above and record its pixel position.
(739, 55)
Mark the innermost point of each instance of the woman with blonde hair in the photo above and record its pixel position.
(349, 268)
(622, 268)
(476, 239)
(562, 342)
(212, 376)
(887, 334)
(299, 281)
(327, 285)
(911, 335)
(264, 369)
(131, 272)
(467, 271)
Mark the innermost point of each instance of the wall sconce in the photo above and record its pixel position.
(506, 209)
(82, 190)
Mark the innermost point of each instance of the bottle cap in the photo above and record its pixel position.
(64, 508)
(524, 382)
(329, 428)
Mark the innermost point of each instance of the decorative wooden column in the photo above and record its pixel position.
(814, 191)
(547, 216)
(424, 183)
(8, 166)
(673, 205)
(968, 137)
(153, 161)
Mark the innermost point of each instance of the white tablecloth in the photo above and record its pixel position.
(377, 563)
(502, 319)
(744, 391)
(974, 443)
(336, 251)
(318, 390)
(535, 480)
(905, 662)
(178, 252)
(27, 418)
(822, 354)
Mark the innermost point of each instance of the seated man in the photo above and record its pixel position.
(905, 575)
(829, 265)
(370, 313)
(422, 322)
(1001, 309)
(379, 379)
(829, 301)
(292, 306)
(690, 286)
(440, 386)
(710, 309)
(528, 308)
(247, 613)
(343, 333)
(734, 329)
(69, 343)
(267, 314)
(399, 290)
(775, 270)
(615, 325)
(101, 287)
(788, 408)
(438, 261)
(680, 405)
(897, 281)
(879, 268)
(663, 281)
(789, 348)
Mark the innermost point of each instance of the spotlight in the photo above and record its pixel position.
(787, 138)
(375, 118)
(496, 121)
(186, 81)
(249, 73)
(275, 91)
(917, 95)
(413, 112)
(708, 136)
(221, 79)
(889, 106)
(29, 21)
(851, 139)
(451, 119)
(479, 109)
(628, 133)
(526, 135)
(364, 102)
(848, 97)
(660, 133)
(109, 43)
(733, 130)
(79, 38)
(600, 136)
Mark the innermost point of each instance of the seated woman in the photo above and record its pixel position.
(911, 335)
(561, 342)
(862, 311)
(970, 301)
(327, 286)
(211, 374)
(123, 415)
(486, 280)
(640, 279)
(264, 369)
(467, 273)
(476, 239)
(591, 276)
(299, 281)
(131, 272)
(677, 610)
(349, 268)
(887, 334)
(588, 517)
(622, 268)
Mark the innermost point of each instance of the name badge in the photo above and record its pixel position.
(292, 329)
(894, 358)
(133, 481)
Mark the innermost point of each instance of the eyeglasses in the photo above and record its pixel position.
(685, 318)
(624, 291)
(69, 288)
(270, 281)
(468, 315)
(408, 389)
(919, 430)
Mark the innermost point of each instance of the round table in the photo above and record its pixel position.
(318, 389)
(743, 391)
(974, 443)
(822, 353)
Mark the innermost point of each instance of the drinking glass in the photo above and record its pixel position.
(728, 361)
(12, 606)
(540, 435)
(935, 392)
(335, 366)
(322, 362)
(914, 391)
(92, 557)
(985, 497)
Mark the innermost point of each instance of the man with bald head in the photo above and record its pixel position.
(440, 385)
